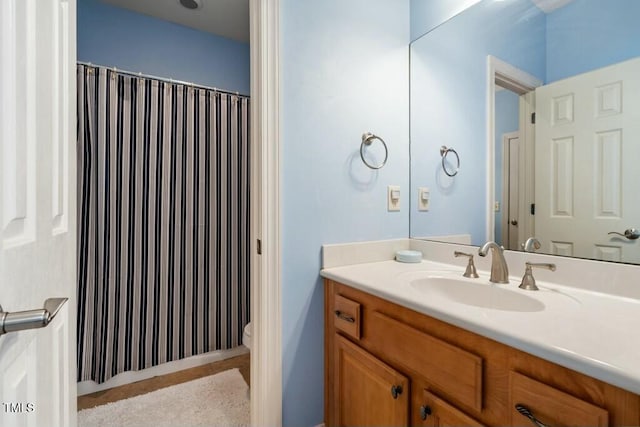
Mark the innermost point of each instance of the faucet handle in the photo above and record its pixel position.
(471, 267)
(528, 281)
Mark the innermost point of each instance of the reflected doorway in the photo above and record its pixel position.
(510, 189)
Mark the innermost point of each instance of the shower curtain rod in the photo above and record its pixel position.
(163, 79)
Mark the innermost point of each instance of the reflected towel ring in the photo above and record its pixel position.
(367, 139)
(444, 151)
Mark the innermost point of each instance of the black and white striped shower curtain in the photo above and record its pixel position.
(163, 221)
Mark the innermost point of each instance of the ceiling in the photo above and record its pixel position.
(548, 6)
(229, 18)
(226, 18)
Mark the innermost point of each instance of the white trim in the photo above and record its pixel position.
(520, 82)
(266, 348)
(88, 387)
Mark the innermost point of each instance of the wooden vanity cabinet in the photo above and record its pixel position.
(448, 376)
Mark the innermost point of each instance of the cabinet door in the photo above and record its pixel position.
(438, 413)
(367, 392)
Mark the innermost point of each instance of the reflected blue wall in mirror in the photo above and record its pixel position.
(448, 107)
(589, 34)
(448, 90)
(428, 14)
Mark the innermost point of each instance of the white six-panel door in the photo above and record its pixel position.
(588, 163)
(37, 208)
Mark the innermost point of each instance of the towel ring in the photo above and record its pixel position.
(444, 151)
(367, 139)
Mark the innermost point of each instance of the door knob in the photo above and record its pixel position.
(629, 233)
(514, 222)
(30, 319)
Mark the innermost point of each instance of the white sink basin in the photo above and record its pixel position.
(495, 297)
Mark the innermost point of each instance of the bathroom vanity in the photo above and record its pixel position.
(418, 344)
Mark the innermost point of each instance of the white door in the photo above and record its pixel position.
(37, 208)
(587, 172)
(510, 190)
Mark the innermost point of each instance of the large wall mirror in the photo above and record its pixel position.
(539, 100)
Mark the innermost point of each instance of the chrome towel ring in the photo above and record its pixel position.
(367, 139)
(444, 151)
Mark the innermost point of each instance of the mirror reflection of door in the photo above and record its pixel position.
(507, 138)
(511, 118)
(586, 172)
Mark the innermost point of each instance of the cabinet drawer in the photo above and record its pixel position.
(437, 412)
(453, 372)
(550, 405)
(347, 316)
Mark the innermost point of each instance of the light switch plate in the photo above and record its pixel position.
(393, 198)
(424, 196)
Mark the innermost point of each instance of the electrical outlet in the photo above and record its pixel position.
(423, 198)
(393, 198)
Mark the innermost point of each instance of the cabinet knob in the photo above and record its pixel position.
(425, 411)
(396, 390)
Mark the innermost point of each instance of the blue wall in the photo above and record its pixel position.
(448, 107)
(583, 36)
(506, 121)
(428, 14)
(344, 68)
(589, 34)
(117, 37)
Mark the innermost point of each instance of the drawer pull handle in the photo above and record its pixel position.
(425, 411)
(344, 317)
(396, 390)
(527, 413)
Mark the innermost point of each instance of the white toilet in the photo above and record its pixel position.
(246, 336)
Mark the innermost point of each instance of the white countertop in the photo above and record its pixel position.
(590, 332)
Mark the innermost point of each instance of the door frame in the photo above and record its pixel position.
(506, 198)
(509, 77)
(266, 312)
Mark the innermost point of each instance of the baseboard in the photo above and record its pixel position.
(88, 387)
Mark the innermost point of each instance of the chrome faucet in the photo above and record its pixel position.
(499, 269)
(531, 245)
